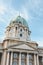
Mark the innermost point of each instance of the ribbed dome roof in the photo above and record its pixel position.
(21, 20)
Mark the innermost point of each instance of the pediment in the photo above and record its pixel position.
(23, 46)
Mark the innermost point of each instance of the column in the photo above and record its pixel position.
(20, 59)
(3, 61)
(27, 59)
(7, 63)
(11, 60)
(35, 59)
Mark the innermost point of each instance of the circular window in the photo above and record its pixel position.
(20, 35)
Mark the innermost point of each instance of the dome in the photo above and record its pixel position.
(21, 20)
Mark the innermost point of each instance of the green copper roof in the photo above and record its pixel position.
(21, 20)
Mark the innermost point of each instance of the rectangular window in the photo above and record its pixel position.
(31, 59)
(23, 59)
(40, 60)
(16, 59)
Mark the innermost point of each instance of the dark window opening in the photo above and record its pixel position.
(20, 35)
(20, 29)
(19, 22)
(40, 60)
(16, 28)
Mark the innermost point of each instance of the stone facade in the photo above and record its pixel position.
(17, 47)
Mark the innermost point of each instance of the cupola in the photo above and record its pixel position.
(18, 29)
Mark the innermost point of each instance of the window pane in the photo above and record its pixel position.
(23, 56)
(30, 56)
(30, 63)
(22, 63)
(15, 58)
(31, 59)
(15, 63)
(23, 59)
(15, 55)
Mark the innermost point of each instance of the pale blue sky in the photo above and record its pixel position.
(31, 10)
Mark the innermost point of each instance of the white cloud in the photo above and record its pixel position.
(40, 42)
(2, 9)
(7, 13)
(24, 13)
